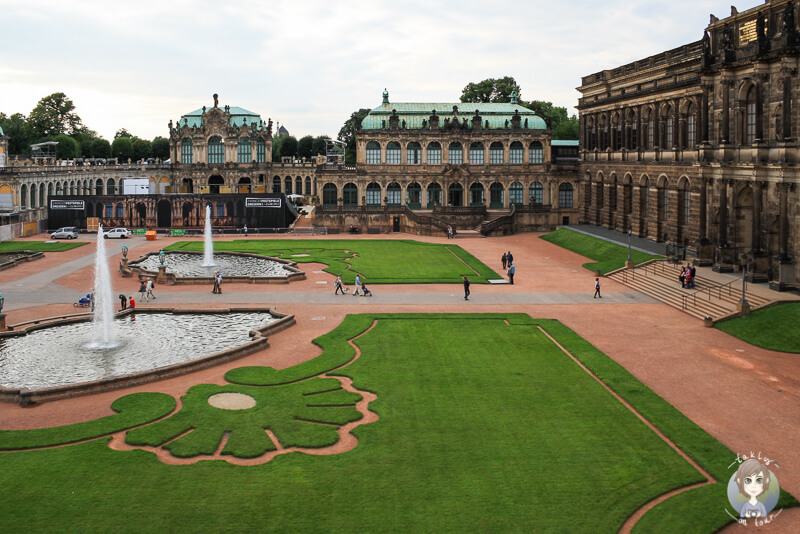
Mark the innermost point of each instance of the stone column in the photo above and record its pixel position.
(703, 208)
(726, 112)
(787, 107)
(704, 114)
(783, 218)
(761, 78)
(676, 117)
(639, 128)
(723, 211)
(756, 233)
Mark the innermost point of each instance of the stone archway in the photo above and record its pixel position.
(164, 213)
(214, 183)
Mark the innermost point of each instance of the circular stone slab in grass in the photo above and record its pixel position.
(231, 401)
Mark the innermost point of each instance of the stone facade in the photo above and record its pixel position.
(697, 146)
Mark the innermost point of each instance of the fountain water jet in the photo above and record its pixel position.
(103, 321)
(208, 259)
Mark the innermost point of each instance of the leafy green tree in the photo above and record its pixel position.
(161, 148)
(552, 115)
(18, 130)
(567, 129)
(67, 148)
(348, 133)
(122, 149)
(276, 148)
(122, 132)
(53, 115)
(319, 146)
(86, 148)
(141, 149)
(491, 90)
(305, 147)
(101, 149)
(289, 146)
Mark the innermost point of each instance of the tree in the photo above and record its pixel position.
(289, 146)
(161, 148)
(54, 115)
(101, 149)
(122, 149)
(491, 90)
(122, 132)
(319, 146)
(305, 147)
(142, 149)
(552, 115)
(68, 148)
(86, 148)
(567, 129)
(18, 130)
(276, 148)
(348, 133)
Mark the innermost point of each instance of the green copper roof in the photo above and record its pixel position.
(564, 142)
(413, 113)
(238, 116)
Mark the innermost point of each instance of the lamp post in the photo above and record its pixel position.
(743, 306)
(629, 261)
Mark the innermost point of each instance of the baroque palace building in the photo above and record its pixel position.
(422, 166)
(697, 146)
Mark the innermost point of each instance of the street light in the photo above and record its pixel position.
(629, 262)
(743, 306)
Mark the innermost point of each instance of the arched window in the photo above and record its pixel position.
(276, 184)
(644, 198)
(394, 194)
(668, 127)
(434, 195)
(298, 185)
(350, 194)
(565, 195)
(373, 152)
(373, 194)
(245, 153)
(515, 192)
(476, 153)
(496, 191)
(779, 123)
(109, 211)
(434, 153)
(23, 196)
(537, 193)
(393, 153)
(648, 135)
(477, 195)
(750, 117)
(98, 187)
(536, 153)
(686, 202)
(287, 185)
(414, 153)
(691, 126)
(187, 152)
(414, 195)
(455, 154)
(261, 151)
(216, 152)
(496, 153)
(515, 153)
(329, 194)
(308, 186)
(455, 195)
(120, 212)
(111, 187)
(664, 203)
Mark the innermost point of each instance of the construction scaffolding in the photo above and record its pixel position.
(334, 151)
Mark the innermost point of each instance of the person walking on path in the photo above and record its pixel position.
(466, 287)
(597, 289)
(505, 259)
(358, 284)
(245, 230)
(219, 282)
(143, 291)
(123, 302)
(150, 287)
(509, 258)
(511, 270)
(216, 289)
(338, 285)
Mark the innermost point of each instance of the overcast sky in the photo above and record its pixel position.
(309, 64)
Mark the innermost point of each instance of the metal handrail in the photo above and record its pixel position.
(710, 291)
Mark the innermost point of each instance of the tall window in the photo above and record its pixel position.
(350, 194)
(216, 152)
(287, 185)
(691, 126)
(373, 152)
(329, 192)
(650, 134)
(565, 195)
(393, 194)
(120, 211)
(515, 193)
(537, 193)
(298, 185)
(434, 153)
(261, 151)
(665, 204)
(687, 195)
(393, 153)
(414, 153)
(476, 153)
(373, 194)
(496, 195)
(434, 195)
(496, 153)
(220, 209)
(644, 199)
(668, 129)
(455, 154)
(245, 154)
(186, 151)
(109, 211)
(750, 117)
(536, 153)
(515, 152)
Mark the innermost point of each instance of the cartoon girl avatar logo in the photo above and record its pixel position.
(753, 490)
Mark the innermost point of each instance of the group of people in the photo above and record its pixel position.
(146, 289)
(217, 283)
(126, 302)
(508, 265)
(687, 276)
(360, 287)
(451, 233)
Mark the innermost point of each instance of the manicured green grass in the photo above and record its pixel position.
(485, 425)
(39, 246)
(378, 261)
(607, 256)
(773, 328)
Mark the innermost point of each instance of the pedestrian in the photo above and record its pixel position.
(449, 232)
(367, 292)
(693, 270)
(143, 291)
(466, 287)
(505, 260)
(358, 284)
(91, 299)
(150, 287)
(215, 289)
(245, 230)
(338, 285)
(131, 302)
(689, 279)
(511, 270)
(219, 282)
(682, 277)
(597, 289)
(123, 302)
(509, 258)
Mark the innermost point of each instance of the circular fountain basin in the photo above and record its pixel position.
(61, 355)
(234, 266)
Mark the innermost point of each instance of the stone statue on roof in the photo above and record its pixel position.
(216, 100)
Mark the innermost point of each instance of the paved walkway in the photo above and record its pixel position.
(621, 238)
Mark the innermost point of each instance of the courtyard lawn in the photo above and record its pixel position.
(485, 425)
(772, 328)
(378, 261)
(607, 256)
(39, 246)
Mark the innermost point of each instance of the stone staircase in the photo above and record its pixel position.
(712, 297)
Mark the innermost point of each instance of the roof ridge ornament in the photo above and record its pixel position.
(514, 96)
(385, 96)
(216, 100)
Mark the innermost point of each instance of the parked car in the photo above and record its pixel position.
(68, 232)
(121, 233)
